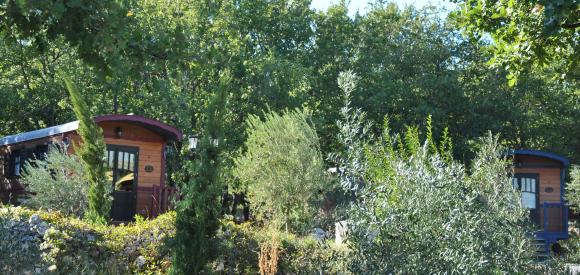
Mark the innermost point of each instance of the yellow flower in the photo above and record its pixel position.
(130, 13)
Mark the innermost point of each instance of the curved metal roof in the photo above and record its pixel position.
(163, 129)
(36, 134)
(168, 132)
(565, 162)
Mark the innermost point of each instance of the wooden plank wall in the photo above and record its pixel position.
(13, 187)
(150, 146)
(549, 177)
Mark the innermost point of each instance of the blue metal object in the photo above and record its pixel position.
(553, 236)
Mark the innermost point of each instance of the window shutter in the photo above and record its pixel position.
(11, 159)
(5, 165)
(40, 152)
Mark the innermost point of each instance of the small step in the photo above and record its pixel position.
(541, 249)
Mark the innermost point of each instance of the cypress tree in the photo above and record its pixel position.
(92, 153)
(198, 211)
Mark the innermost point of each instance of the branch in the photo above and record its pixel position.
(162, 56)
(571, 26)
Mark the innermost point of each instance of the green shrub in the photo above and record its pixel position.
(571, 247)
(240, 251)
(283, 169)
(428, 215)
(58, 181)
(573, 189)
(416, 210)
(200, 185)
(39, 242)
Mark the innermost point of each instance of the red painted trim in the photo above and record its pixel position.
(167, 131)
(163, 176)
(163, 160)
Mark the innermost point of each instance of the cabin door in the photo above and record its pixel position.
(122, 173)
(529, 186)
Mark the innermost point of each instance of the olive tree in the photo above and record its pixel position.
(428, 215)
(58, 181)
(282, 168)
(573, 188)
(417, 210)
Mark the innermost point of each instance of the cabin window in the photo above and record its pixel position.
(528, 187)
(16, 161)
(121, 168)
(40, 152)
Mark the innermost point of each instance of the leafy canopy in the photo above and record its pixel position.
(282, 168)
(526, 33)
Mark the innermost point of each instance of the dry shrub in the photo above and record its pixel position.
(268, 262)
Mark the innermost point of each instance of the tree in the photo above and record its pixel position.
(200, 186)
(420, 213)
(95, 28)
(526, 33)
(416, 209)
(58, 181)
(573, 188)
(92, 152)
(282, 168)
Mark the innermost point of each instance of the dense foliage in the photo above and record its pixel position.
(283, 54)
(91, 151)
(412, 206)
(573, 188)
(416, 210)
(58, 181)
(40, 242)
(198, 210)
(240, 251)
(283, 169)
(421, 214)
(536, 33)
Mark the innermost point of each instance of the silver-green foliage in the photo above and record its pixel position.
(429, 215)
(573, 188)
(418, 211)
(283, 168)
(58, 181)
(353, 132)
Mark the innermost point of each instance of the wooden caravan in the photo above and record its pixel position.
(540, 176)
(136, 149)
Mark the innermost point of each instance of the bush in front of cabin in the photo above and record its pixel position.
(416, 210)
(58, 182)
(240, 251)
(283, 169)
(573, 189)
(197, 217)
(571, 246)
(40, 242)
(428, 215)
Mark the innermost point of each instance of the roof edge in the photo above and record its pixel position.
(544, 154)
(168, 130)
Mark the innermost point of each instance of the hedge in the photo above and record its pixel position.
(40, 242)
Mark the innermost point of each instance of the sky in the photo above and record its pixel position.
(361, 5)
